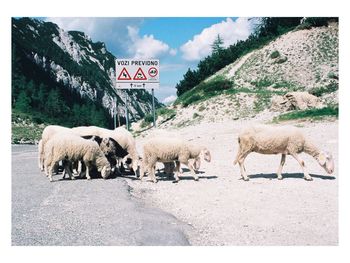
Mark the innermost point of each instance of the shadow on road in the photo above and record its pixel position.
(291, 175)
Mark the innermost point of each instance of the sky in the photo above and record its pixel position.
(178, 42)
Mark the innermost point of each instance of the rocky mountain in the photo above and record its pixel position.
(69, 71)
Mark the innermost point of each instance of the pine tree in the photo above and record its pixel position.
(217, 45)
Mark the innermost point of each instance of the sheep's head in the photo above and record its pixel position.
(106, 171)
(206, 155)
(325, 159)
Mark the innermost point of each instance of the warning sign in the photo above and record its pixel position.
(137, 73)
(124, 75)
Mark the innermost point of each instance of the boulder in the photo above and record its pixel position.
(295, 101)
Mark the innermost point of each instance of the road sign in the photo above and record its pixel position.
(137, 73)
(124, 75)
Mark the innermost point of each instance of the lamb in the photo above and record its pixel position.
(67, 146)
(120, 135)
(170, 166)
(170, 150)
(285, 140)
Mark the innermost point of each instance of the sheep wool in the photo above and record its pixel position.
(285, 140)
(67, 146)
(120, 135)
(168, 150)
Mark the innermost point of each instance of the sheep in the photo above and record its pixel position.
(170, 166)
(169, 150)
(67, 146)
(48, 132)
(287, 140)
(120, 135)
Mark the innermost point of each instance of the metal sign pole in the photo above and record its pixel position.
(115, 112)
(154, 112)
(126, 110)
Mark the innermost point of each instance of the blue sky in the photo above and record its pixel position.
(178, 42)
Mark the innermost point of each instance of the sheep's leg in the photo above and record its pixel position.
(49, 169)
(177, 169)
(87, 171)
(80, 168)
(193, 172)
(50, 175)
(142, 170)
(68, 171)
(279, 171)
(302, 164)
(240, 160)
(152, 173)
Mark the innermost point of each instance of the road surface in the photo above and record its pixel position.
(81, 212)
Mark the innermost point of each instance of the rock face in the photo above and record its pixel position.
(295, 101)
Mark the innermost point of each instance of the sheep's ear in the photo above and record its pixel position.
(322, 159)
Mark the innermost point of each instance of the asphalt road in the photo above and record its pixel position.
(81, 212)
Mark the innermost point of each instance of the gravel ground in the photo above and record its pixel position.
(225, 210)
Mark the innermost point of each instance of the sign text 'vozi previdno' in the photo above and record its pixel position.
(137, 73)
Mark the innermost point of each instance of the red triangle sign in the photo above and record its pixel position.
(124, 75)
(139, 75)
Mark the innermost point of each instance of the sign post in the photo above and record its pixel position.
(153, 109)
(115, 112)
(137, 74)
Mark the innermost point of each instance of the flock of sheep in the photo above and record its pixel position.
(84, 148)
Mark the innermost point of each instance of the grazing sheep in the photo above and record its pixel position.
(274, 140)
(123, 137)
(67, 146)
(169, 150)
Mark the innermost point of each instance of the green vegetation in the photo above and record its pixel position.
(164, 112)
(275, 54)
(319, 91)
(262, 83)
(24, 128)
(315, 114)
(205, 90)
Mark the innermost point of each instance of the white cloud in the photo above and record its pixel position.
(146, 46)
(169, 99)
(230, 31)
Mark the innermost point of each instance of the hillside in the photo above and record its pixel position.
(260, 83)
(61, 77)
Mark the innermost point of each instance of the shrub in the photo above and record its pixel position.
(275, 54)
(319, 91)
(195, 115)
(311, 113)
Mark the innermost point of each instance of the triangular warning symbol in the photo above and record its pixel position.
(139, 75)
(124, 75)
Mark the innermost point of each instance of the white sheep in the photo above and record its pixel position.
(170, 150)
(170, 166)
(275, 140)
(120, 135)
(48, 132)
(71, 147)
